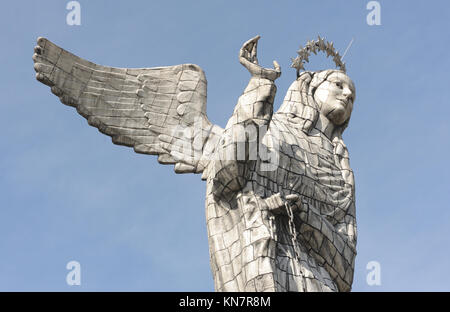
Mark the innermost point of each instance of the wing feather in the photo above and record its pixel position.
(135, 106)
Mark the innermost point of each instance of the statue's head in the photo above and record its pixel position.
(328, 92)
(334, 94)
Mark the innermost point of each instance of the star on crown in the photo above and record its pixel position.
(314, 46)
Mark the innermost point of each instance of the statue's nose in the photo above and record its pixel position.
(347, 92)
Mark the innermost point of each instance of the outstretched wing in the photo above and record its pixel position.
(157, 111)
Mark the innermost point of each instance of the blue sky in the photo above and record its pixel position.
(68, 193)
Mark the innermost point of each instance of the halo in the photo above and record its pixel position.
(314, 46)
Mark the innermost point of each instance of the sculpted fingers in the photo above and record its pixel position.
(277, 67)
(248, 55)
(253, 54)
(292, 198)
(248, 58)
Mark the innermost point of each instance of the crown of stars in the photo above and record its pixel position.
(314, 46)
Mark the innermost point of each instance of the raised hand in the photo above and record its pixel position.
(248, 58)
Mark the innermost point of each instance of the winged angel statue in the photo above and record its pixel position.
(280, 203)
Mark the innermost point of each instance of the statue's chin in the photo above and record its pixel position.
(337, 117)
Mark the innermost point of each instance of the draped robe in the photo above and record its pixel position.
(251, 247)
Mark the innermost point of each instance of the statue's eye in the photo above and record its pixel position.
(338, 84)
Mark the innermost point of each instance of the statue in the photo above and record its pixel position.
(280, 203)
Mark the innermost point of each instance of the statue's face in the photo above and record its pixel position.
(335, 97)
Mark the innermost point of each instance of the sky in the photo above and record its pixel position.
(68, 194)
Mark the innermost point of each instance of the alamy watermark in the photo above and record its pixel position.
(74, 16)
(73, 278)
(187, 144)
(374, 16)
(373, 278)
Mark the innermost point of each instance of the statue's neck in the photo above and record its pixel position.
(325, 126)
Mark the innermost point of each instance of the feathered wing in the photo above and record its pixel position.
(157, 111)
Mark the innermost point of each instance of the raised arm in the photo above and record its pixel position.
(255, 105)
(239, 145)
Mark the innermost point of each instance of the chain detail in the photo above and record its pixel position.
(294, 241)
(272, 228)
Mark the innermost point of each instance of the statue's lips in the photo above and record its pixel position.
(343, 102)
